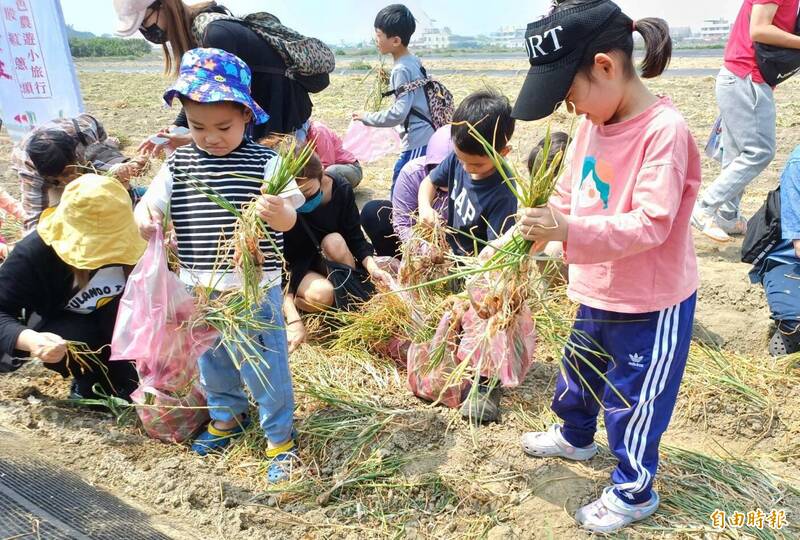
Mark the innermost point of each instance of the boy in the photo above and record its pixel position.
(480, 204)
(394, 26)
(214, 89)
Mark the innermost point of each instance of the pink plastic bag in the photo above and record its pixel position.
(154, 304)
(370, 144)
(168, 418)
(506, 354)
(434, 383)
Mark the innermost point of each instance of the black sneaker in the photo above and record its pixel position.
(483, 406)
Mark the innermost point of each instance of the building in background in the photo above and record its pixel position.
(715, 30)
(680, 33)
(508, 37)
(429, 35)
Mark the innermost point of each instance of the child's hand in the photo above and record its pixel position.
(382, 279)
(295, 334)
(269, 207)
(429, 216)
(147, 222)
(544, 224)
(5, 249)
(358, 116)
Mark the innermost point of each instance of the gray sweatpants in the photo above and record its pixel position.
(350, 171)
(748, 140)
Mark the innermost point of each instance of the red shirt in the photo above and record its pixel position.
(740, 56)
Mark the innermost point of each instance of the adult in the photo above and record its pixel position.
(388, 223)
(179, 27)
(327, 228)
(779, 273)
(747, 107)
(57, 152)
(335, 159)
(71, 272)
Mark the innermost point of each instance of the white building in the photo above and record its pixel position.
(428, 35)
(509, 37)
(715, 30)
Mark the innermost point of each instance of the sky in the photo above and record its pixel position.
(351, 21)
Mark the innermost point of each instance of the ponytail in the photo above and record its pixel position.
(658, 46)
(617, 35)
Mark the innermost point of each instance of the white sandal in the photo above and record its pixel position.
(551, 443)
(609, 514)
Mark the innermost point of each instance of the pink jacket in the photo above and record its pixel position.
(329, 145)
(628, 192)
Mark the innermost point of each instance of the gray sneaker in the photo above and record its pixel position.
(551, 443)
(483, 406)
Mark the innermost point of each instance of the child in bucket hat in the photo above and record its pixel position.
(213, 87)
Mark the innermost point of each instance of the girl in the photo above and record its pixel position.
(622, 209)
(214, 88)
(328, 219)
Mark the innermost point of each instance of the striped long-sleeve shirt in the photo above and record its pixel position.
(204, 230)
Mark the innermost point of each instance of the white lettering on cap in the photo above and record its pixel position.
(535, 44)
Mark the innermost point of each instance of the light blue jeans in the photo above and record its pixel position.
(269, 381)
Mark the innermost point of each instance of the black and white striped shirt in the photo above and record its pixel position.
(204, 229)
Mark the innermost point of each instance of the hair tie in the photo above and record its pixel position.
(633, 26)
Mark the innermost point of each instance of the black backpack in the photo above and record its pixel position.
(763, 230)
(778, 64)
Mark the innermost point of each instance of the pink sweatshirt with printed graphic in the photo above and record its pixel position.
(628, 191)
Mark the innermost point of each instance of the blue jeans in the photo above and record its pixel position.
(269, 381)
(404, 158)
(649, 352)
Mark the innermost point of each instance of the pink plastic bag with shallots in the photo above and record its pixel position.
(370, 144)
(153, 330)
(503, 353)
(431, 365)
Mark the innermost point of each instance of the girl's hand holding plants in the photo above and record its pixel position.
(543, 224)
(269, 207)
(295, 334)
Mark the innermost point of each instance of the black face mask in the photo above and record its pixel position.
(154, 33)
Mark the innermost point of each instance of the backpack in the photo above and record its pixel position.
(763, 230)
(306, 58)
(778, 64)
(440, 100)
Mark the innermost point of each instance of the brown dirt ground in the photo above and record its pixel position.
(461, 482)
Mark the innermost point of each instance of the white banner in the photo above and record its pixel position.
(38, 81)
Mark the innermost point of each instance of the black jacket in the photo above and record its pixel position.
(285, 100)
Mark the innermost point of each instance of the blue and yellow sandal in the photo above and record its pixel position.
(216, 440)
(282, 458)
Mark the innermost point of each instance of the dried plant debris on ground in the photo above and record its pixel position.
(378, 463)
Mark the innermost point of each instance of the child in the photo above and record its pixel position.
(623, 209)
(335, 159)
(329, 221)
(480, 204)
(394, 26)
(213, 87)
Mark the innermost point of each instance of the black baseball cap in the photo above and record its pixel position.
(556, 45)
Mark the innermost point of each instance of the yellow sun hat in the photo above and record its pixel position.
(93, 225)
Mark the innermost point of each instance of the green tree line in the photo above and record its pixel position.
(103, 46)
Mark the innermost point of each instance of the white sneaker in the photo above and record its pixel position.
(734, 227)
(609, 514)
(552, 444)
(707, 224)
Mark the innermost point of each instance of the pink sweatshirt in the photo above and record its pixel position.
(328, 145)
(629, 191)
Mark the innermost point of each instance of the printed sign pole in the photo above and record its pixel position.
(38, 81)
